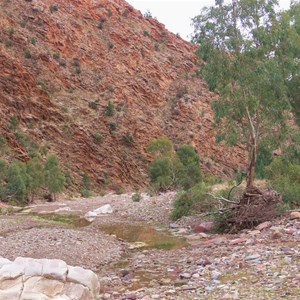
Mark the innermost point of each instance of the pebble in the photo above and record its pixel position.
(254, 256)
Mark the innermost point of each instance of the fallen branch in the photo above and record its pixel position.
(220, 198)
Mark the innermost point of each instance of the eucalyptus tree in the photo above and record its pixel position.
(241, 50)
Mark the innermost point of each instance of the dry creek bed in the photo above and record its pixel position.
(261, 263)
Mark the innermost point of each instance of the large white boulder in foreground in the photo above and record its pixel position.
(46, 279)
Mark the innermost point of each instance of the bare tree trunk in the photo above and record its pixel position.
(252, 154)
(251, 166)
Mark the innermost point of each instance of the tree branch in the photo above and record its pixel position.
(220, 198)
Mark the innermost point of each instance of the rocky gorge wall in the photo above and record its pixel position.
(62, 63)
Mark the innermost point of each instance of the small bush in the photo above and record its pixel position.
(86, 193)
(98, 138)
(76, 62)
(159, 173)
(63, 63)
(27, 54)
(3, 141)
(110, 109)
(33, 41)
(146, 33)
(136, 197)
(13, 123)
(128, 139)
(113, 126)
(8, 43)
(53, 8)
(56, 55)
(195, 200)
(101, 23)
(182, 206)
(94, 105)
(23, 23)
(284, 177)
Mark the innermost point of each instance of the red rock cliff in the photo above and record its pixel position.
(62, 62)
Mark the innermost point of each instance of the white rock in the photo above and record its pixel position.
(11, 271)
(4, 261)
(14, 291)
(77, 291)
(84, 277)
(45, 286)
(54, 268)
(105, 209)
(32, 267)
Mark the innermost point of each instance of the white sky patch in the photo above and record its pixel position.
(177, 14)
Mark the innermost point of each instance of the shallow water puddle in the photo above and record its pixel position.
(143, 236)
(62, 219)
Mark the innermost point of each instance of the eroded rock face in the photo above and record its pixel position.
(45, 279)
(62, 63)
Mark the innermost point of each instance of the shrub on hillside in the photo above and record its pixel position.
(160, 173)
(173, 169)
(284, 177)
(195, 200)
(190, 173)
(136, 197)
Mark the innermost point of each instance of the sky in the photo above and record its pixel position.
(177, 14)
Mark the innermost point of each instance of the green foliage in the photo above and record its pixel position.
(136, 197)
(188, 155)
(160, 173)
(188, 176)
(35, 176)
(3, 170)
(13, 123)
(194, 200)
(113, 126)
(63, 63)
(98, 138)
(221, 221)
(285, 179)
(110, 109)
(146, 33)
(101, 23)
(23, 23)
(182, 206)
(161, 147)
(3, 142)
(33, 41)
(211, 179)
(94, 104)
(170, 168)
(8, 43)
(54, 178)
(56, 55)
(189, 173)
(53, 8)
(264, 158)
(27, 54)
(86, 181)
(128, 139)
(17, 181)
(248, 57)
(86, 193)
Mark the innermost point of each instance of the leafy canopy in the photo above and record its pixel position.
(245, 58)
